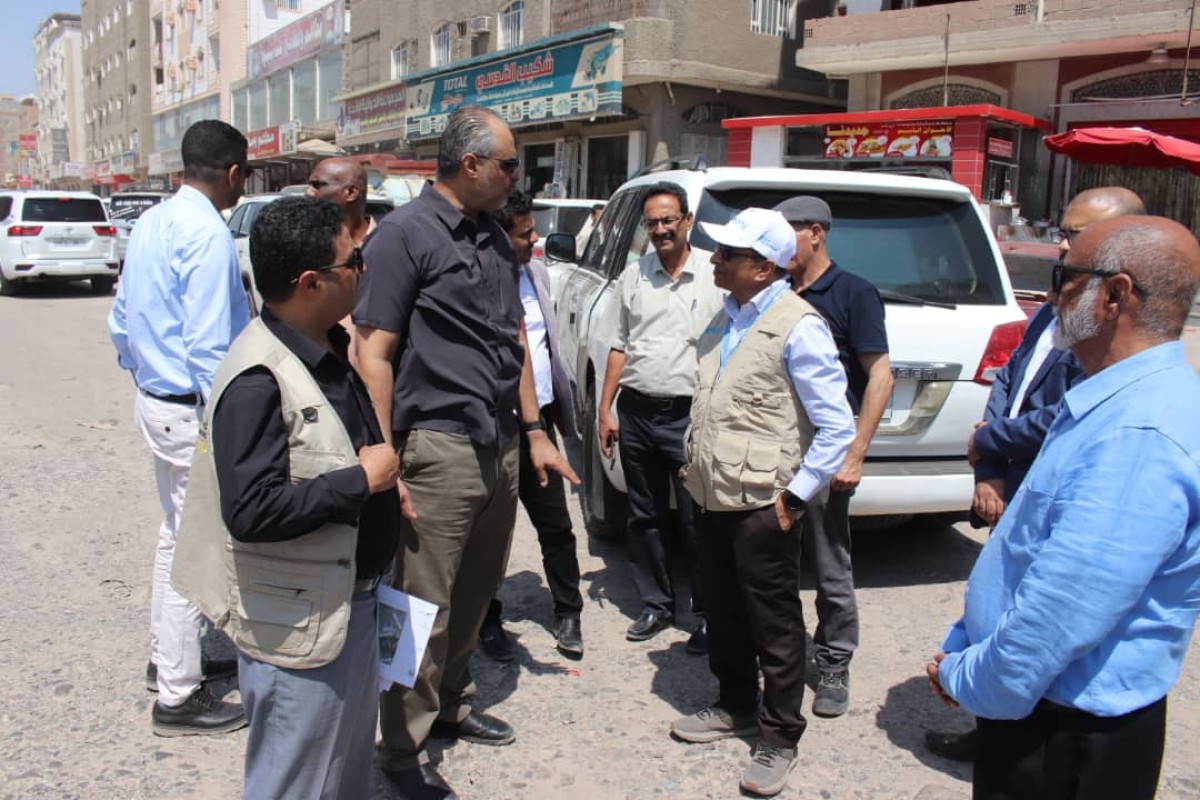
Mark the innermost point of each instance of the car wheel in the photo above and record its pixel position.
(103, 284)
(8, 287)
(604, 520)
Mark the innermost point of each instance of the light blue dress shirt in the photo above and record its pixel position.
(180, 300)
(818, 379)
(1088, 590)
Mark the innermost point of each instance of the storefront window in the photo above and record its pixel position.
(329, 82)
(258, 106)
(304, 91)
(239, 115)
(281, 97)
(607, 165)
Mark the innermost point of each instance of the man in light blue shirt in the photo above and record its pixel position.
(1081, 605)
(179, 304)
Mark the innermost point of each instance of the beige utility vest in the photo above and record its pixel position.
(286, 603)
(749, 432)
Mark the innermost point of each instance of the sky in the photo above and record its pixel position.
(20, 21)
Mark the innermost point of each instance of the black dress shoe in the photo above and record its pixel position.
(478, 727)
(954, 746)
(697, 643)
(494, 642)
(420, 783)
(216, 669)
(200, 714)
(648, 625)
(570, 637)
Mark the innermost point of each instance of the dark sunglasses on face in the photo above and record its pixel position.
(728, 253)
(1066, 236)
(509, 165)
(1061, 270)
(666, 222)
(318, 185)
(355, 262)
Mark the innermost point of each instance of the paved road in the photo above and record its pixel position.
(79, 519)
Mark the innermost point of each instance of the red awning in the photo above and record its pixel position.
(1127, 147)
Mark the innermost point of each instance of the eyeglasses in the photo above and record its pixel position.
(355, 262)
(1061, 270)
(666, 222)
(1067, 236)
(318, 185)
(728, 253)
(509, 165)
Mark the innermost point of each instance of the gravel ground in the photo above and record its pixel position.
(80, 518)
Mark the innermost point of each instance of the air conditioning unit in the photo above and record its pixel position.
(481, 24)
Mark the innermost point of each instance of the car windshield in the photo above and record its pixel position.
(928, 248)
(63, 209)
(559, 219)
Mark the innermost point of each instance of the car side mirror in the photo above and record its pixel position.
(560, 247)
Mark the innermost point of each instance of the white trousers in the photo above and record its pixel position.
(175, 624)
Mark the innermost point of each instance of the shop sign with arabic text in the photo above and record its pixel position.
(575, 80)
(302, 39)
(890, 140)
(373, 112)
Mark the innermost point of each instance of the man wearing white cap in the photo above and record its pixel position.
(770, 428)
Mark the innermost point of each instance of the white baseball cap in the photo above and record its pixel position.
(764, 231)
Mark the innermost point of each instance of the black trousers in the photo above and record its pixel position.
(547, 510)
(652, 431)
(1059, 753)
(751, 580)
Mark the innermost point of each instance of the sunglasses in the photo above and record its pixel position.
(1066, 236)
(355, 262)
(1061, 270)
(509, 165)
(728, 253)
(318, 185)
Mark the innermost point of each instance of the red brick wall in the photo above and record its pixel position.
(737, 149)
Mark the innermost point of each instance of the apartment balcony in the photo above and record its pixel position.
(987, 31)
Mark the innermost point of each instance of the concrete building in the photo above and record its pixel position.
(58, 72)
(197, 54)
(1065, 63)
(117, 90)
(18, 140)
(594, 89)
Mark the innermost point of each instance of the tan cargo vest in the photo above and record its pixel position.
(749, 432)
(286, 603)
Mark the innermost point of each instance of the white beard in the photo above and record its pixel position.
(1079, 323)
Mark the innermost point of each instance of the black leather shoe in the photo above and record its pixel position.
(494, 642)
(570, 637)
(648, 625)
(954, 746)
(478, 728)
(697, 643)
(200, 714)
(217, 669)
(420, 783)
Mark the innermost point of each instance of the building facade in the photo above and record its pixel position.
(58, 72)
(593, 89)
(18, 141)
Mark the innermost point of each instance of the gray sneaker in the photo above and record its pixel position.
(832, 697)
(713, 723)
(767, 773)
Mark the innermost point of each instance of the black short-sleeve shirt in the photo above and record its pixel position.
(854, 310)
(449, 287)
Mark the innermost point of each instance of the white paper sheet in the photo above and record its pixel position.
(404, 625)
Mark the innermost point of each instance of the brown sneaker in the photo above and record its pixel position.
(713, 724)
(767, 773)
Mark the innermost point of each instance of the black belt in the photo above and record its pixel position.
(192, 399)
(677, 402)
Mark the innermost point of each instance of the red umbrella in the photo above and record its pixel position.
(1128, 147)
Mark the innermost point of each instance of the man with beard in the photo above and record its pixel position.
(662, 302)
(1080, 608)
(1024, 400)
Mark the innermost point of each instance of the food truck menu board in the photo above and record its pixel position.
(924, 140)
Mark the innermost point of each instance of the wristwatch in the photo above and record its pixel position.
(792, 501)
(530, 427)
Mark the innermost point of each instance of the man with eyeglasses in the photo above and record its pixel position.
(1081, 605)
(770, 428)
(179, 304)
(293, 515)
(1024, 399)
(661, 304)
(443, 351)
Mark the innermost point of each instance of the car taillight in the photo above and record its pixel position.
(24, 230)
(1000, 346)
(105, 230)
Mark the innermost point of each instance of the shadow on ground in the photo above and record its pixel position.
(908, 711)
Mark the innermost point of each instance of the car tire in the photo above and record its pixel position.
(103, 284)
(9, 287)
(604, 521)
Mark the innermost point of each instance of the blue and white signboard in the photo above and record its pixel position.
(575, 80)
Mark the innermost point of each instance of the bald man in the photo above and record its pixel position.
(1080, 608)
(344, 182)
(1024, 399)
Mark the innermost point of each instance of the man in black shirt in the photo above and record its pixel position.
(854, 311)
(303, 498)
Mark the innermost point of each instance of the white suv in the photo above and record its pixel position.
(952, 319)
(56, 236)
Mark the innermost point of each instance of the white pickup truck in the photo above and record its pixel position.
(952, 319)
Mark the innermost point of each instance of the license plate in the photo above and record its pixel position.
(67, 241)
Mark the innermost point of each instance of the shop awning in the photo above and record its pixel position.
(1127, 147)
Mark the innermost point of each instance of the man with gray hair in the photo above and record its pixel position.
(1080, 608)
(442, 349)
